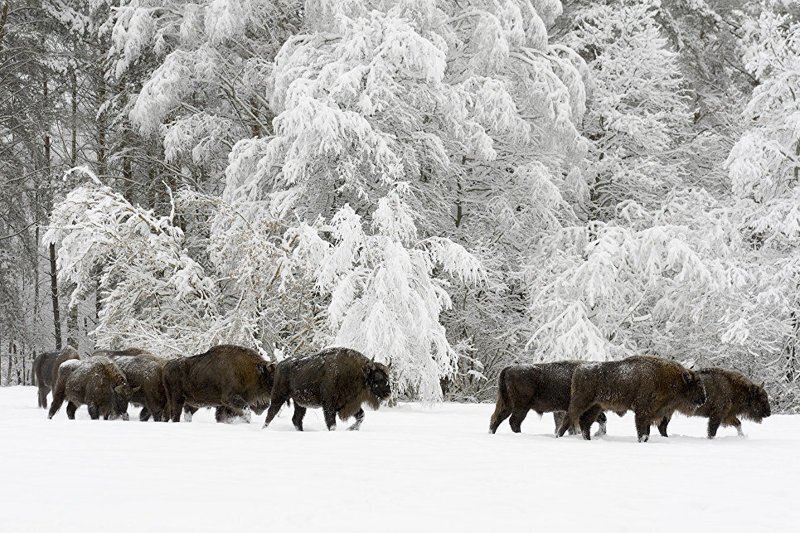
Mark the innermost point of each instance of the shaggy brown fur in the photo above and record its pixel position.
(45, 368)
(544, 388)
(96, 382)
(651, 387)
(729, 395)
(145, 371)
(339, 380)
(226, 375)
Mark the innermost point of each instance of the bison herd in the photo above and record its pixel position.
(233, 379)
(237, 380)
(653, 388)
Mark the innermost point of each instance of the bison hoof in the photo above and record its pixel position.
(643, 438)
(125, 417)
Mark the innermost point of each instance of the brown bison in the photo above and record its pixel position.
(651, 387)
(339, 380)
(145, 372)
(96, 382)
(224, 376)
(729, 395)
(45, 368)
(543, 388)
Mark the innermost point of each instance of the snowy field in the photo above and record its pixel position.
(411, 468)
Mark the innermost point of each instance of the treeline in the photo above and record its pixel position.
(451, 188)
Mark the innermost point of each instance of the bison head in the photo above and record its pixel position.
(267, 371)
(693, 389)
(757, 403)
(266, 381)
(377, 376)
(120, 396)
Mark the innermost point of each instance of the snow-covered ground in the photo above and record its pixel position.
(411, 468)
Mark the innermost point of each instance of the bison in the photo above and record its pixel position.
(729, 395)
(543, 388)
(225, 376)
(649, 386)
(45, 368)
(145, 372)
(96, 382)
(339, 380)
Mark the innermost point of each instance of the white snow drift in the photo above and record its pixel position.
(411, 468)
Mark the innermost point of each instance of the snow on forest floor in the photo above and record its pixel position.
(411, 468)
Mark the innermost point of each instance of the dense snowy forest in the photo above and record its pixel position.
(452, 186)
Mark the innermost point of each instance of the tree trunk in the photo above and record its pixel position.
(255, 126)
(54, 295)
(52, 247)
(73, 154)
(10, 362)
(73, 331)
(3, 19)
(102, 166)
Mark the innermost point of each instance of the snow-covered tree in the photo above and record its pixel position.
(207, 65)
(638, 114)
(153, 294)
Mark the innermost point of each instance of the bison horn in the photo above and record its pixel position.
(762, 384)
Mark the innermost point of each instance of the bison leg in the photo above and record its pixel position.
(642, 427)
(587, 419)
(71, 408)
(297, 418)
(43, 397)
(58, 399)
(713, 426)
(735, 422)
(144, 414)
(329, 412)
(188, 412)
(517, 417)
(359, 419)
(565, 425)
(274, 407)
(227, 415)
(94, 411)
(662, 426)
(558, 418)
(500, 414)
(175, 409)
(158, 414)
(601, 423)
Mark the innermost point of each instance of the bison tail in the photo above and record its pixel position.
(502, 409)
(167, 398)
